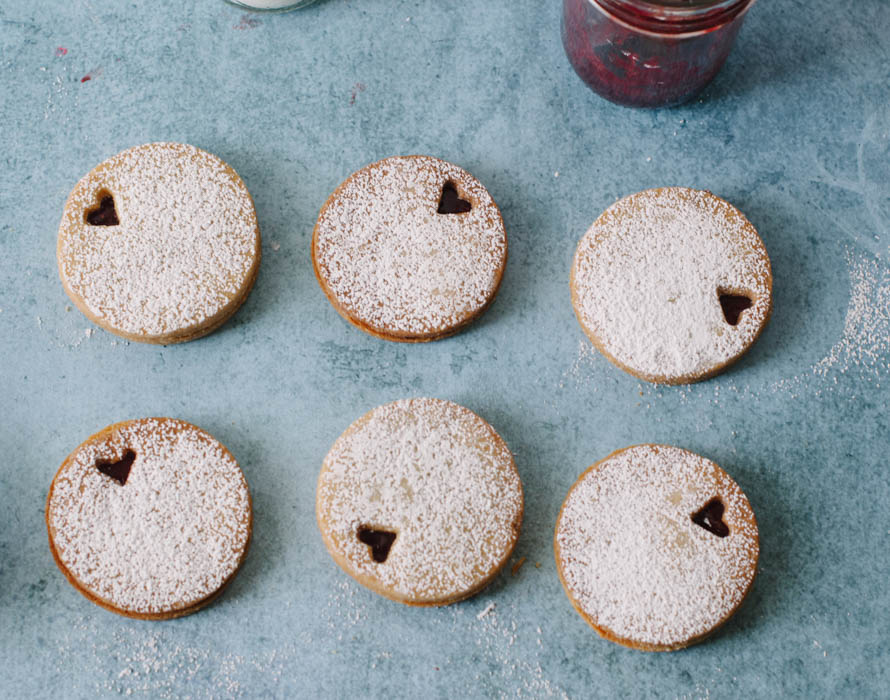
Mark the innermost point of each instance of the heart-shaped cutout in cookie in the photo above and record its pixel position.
(380, 542)
(103, 213)
(450, 202)
(733, 305)
(710, 517)
(119, 469)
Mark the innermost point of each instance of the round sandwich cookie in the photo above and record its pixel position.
(672, 284)
(159, 244)
(410, 248)
(420, 501)
(656, 547)
(149, 518)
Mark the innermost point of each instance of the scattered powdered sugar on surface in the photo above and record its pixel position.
(646, 278)
(863, 350)
(437, 475)
(142, 662)
(635, 562)
(496, 658)
(582, 367)
(516, 670)
(865, 342)
(166, 661)
(396, 264)
(185, 247)
(170, 536)
(67, 332)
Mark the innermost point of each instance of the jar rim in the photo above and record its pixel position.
(677, 18)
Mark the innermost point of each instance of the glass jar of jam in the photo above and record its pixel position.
(650, 53)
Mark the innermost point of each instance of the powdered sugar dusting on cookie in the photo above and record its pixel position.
(395, 264)
(647, 278)
(439, 477)
(166, 539)
(185, 248)
(634, 561)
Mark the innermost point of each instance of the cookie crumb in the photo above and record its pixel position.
(488, 608)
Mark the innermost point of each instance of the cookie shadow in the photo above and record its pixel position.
(808, 314)
(264, 549)
(287, 202)
(772, 590)
(529, 272)
(267, 544)
(534, 445)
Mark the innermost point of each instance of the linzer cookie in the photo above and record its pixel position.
(159, 243)
(656, 547)
(149, 518)
(410, 248)
(420, 501)
(672, 284)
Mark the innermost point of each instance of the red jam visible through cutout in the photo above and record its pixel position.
(451, 203)
(710, 517)
(118, 470)
(380, 542)
(104, 214)
(733, 305)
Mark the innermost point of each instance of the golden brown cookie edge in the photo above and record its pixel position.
(605, 632)
(101, 602)
(390, 334)
(373, 584)
(181, 335)
(692, 377)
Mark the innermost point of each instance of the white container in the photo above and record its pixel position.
(271, 5)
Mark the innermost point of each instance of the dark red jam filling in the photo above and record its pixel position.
(104, 214)
(710, 517)
(119, 469)
(733, 305)
(380, 542)
(450, 202)
(637, 68)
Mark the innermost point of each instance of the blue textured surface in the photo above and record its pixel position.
(795, 132)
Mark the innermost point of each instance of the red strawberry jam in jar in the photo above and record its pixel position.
(650, 53)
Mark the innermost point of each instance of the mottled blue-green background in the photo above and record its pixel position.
(795, 132)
